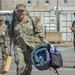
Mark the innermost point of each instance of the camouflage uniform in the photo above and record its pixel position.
(39, 36)
(24, 42)
(4, 44)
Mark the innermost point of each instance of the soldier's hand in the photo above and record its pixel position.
(46, 42)
(72, 29)
(3, 33)
(7, 52)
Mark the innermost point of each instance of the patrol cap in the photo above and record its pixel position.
(37, 18)
(20, 7)
(1, 18)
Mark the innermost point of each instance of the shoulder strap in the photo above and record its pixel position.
(32, 22)
(14, 16)
(27, 13)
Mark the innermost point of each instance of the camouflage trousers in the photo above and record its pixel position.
(4, 56)
(23, 60)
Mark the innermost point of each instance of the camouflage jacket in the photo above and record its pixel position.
(4, 38)
(39, 36)
(24, 34)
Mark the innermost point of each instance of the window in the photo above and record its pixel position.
(47, 1)
(65, 1)
(29, 2)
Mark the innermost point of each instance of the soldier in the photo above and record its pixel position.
(3, 40)
(73, 30)
(23, 40)
(39, 36)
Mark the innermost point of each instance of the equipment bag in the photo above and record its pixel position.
(40, 57)
(56, 58)
(46, 56)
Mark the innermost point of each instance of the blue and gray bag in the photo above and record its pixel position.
(41, 57)
(46, 56)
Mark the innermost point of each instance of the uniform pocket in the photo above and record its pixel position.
(28, 31)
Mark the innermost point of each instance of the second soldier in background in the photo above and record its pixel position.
(4, 41)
